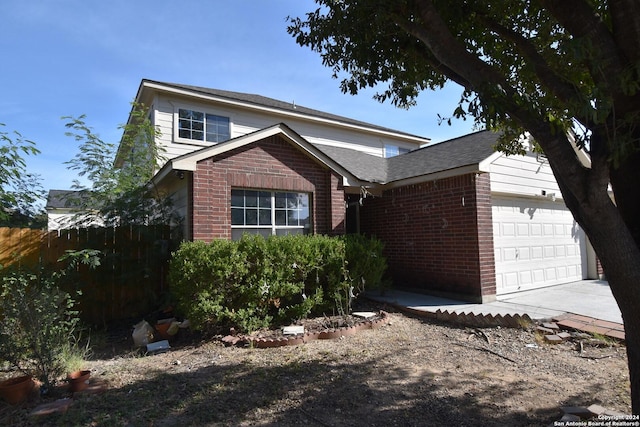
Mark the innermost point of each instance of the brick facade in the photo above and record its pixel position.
(438, 235)
(269, 164)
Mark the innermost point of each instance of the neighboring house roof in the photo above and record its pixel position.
(59, 199)
(64, 199)
(252, 100)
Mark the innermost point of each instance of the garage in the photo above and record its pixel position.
(537, 243)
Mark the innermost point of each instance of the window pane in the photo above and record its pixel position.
(264, 232)
(184, 133)
(292, 217)
(217, 128)
(289, 231)
(251, 198)
(237, 216)
(236, 233)
(292, 200)
(265, 217)
(281, 200)
(265, 199)
(304, 216)
(237, 198)
(281, 217)
(197, 135)
(251, 217)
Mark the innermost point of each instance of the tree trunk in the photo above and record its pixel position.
(619, 254)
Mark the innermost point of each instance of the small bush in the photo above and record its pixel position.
(257, 283)
(38, 325)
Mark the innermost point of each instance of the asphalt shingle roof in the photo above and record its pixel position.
(454, 153)
(60, 199)
(466, 150)
(289, 107)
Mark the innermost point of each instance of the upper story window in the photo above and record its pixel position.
(202, 127)
(394, 150)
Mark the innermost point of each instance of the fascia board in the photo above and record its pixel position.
(306, 117)
(449, 173)
(188, 162)
(485, 165)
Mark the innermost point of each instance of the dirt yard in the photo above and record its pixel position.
(411, 372)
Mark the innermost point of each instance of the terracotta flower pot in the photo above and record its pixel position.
(78, 380)
(16, 390)
(162, 329)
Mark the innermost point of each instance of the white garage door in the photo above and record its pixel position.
(537, 243)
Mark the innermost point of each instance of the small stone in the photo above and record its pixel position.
(596, 409)
(230, 340)
(580, 411)
(553, 339)
(551, 326)
(545, 331)
(364, 314)
(566, 336)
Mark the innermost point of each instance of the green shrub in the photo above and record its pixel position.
(38, 328)
(365, 262)
(256, 282)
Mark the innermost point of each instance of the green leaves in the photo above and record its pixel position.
(19, 189)
(256, 282)
(118, 176)
(39, 324)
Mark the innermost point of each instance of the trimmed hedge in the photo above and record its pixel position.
(257, 283)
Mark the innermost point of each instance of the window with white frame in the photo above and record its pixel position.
(201, 126)
(269, 213)
(394, 150)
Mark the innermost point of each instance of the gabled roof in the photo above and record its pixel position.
(65, 199)
(188, 162)
(457, 156)
(269, 104)
(467, 150)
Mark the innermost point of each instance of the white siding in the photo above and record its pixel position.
(522, 175)
(244, 121)
(64, 219)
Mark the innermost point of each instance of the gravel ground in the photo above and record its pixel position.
(411, 372)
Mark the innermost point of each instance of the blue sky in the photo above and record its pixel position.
(73, 57)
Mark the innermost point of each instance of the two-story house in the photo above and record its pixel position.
(456, 217)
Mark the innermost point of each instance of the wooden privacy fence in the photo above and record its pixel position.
(131, 278)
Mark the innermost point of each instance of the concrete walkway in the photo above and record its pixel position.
(585, 299)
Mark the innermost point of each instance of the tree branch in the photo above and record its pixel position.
(625, 19)
(582, 22)
(559, 86)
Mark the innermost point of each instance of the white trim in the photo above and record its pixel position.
(284, 113)
(431, 177)
(188, 162)
(177, 106)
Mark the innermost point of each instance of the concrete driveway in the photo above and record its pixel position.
(589, 298)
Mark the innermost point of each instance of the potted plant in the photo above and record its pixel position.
(78, 380)
(16, 390)
(38, 329)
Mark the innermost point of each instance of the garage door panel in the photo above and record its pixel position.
(537, 243)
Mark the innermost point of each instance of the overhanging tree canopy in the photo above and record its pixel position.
(567, 72)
